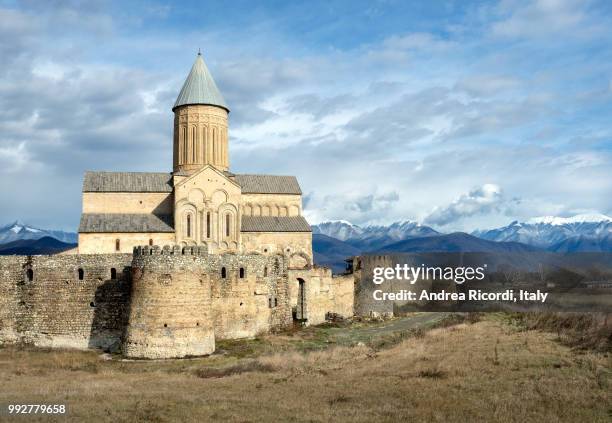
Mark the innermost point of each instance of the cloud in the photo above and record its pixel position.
(480, 200)
(378, 123)
(14, 158)
(541, 18)
(354, 207)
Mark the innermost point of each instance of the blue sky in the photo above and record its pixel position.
(460, 115)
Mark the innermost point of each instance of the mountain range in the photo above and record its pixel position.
(20, 231)
(334, 241)
(556, 233)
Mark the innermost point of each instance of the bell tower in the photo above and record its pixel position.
(200, 123)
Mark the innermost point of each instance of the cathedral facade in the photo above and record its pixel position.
(201, 202)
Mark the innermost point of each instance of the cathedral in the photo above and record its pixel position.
(201, 202)
(170, 263)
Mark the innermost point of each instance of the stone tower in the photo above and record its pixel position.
(170, 311)
(200, 123)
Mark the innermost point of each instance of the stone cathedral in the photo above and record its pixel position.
(169, 263)
(201, 202)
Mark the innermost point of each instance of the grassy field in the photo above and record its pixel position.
(427, 367)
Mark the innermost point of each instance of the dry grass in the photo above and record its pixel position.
(588, 331)
(485, 371)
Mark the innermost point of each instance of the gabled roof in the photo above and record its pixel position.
(122, 222)
(127, 182)
(145, 223)
(200, 87)
(268, 184)
(203, 169)
(274, 224)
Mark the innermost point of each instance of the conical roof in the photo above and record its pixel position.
(200, 87)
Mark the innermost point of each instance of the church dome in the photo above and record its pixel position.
(200, 88)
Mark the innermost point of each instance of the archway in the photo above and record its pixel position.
(299, 313)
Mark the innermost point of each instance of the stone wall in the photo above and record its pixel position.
(254, 304)
(170, 313)
(184, 298)
(169, 302)
(365, 305)
(271, 205)
(105, 243)
(158, 203)
(62, 306)
(292, 244)
(314, 293)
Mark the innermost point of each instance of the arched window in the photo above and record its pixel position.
(188, 226)
(242, 273)
(275, 301)
(151, 242)
(30, 275)
(194, 137)
(113, 273)
(228, 221)
(214, 146)
(269, 302)
(117, 245)
(81, 274)
(223, 272)
(266, 271)
(207, 224)
(184, 143)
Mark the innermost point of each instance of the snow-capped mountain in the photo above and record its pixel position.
(550, 231)
(339, 229)
(369, 238)
(19, 231)
(579, 218)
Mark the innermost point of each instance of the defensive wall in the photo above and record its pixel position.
(161, 302)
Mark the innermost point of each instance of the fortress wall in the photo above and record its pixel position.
(343, 287)
(183, 299)
(11, 273)
(322, 294)
(56, 309)
(255, 304)
(170, 313)
(128, 202)
(365, 304)
(162, 303)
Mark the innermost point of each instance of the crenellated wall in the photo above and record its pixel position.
(160, 303)
(170, 313)
(184, 298)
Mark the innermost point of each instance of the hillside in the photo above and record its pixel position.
(45, 245)
(332, 252)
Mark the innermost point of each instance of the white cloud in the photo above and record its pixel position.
(480, 200)
(541, 18)
(372, 139)
(14, 158)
